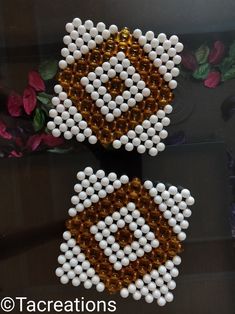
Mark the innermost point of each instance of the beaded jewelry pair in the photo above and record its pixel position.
(116, 88)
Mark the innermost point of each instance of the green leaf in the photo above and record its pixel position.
(232, 50)
(201, 72)
(226, 64)
(202, 53)
(57, 150)
(38, 120)
(44, 98)
(230, 74)
(48, 69)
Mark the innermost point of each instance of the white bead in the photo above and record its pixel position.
(172, 84)
(174, 272)
(187, 213)
(167, 277)
(132, 226)
(124, 293)
(177, 260)
(117, 184)
(142, 40)
(144, 291)
(64, 279)
(148, 184)
(137, 33)
(100, 287)
(136, 295)
(117, 266)
(179, 47)
(113, 29)
(184, 224)
(177, 59)
(124, 179)
(154, 274)
(145, 228)
(153, 151)
(95, 280)
(171, 285)
(181, 236)
(155, 243)
(120, 223)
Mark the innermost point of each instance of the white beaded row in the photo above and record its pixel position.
(75, 267)
(93, 186)
(104, 232)
(174, 205)
(82, 38)
(163, 53)
(67, 120)
(156, 285)
(148, 136)
(135, 91)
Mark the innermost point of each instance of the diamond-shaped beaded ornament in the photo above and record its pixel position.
(124, 236)
(115, 86)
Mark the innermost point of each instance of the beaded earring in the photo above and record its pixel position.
(124, 236)
(115, 87)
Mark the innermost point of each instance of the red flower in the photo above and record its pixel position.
(34, 142)
(14, 104)
(51, 141)
(3, 133)
(213, 79)
(29, 100)
(14, 153)
(217, 53)
(189, 61)
(36, 81)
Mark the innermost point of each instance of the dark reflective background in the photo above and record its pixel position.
(35, 190)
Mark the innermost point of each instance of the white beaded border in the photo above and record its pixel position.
(92, 186)
(172, 201)
(75, 267)
(67, 120)
(158, 284)
(104, 232)
(161, 51)
(148, 136)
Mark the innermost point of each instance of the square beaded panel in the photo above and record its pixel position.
(124, 236)
(115, 86)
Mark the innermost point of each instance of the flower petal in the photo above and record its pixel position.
(189, 61)
(34, 142)
(14, 153)
(3, 133)
(213, 79)
(217, 52)
(52, 141)
(29, 100)
(14, 104)
(36, 81)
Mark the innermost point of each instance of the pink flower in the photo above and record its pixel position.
(14, 104)
(29, 100)
(14, 153)
(217, 53)
(36, 81)
(189, 61)
(213, 79)
(3, 132)
(34, 142)
(51, 141)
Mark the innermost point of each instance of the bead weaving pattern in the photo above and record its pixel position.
(128, 235)
(117, 81)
